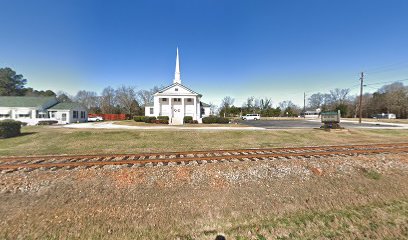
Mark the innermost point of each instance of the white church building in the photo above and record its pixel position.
(177, 101)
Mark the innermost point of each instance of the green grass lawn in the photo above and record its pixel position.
(38, 140)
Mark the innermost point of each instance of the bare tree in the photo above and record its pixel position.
(227, 102)
(108, 100)
(339, 96)
(265, 103)
(316, 100)
(88, 99)
(126, 99)
(64, 97)
(213, 108)
(146, 96)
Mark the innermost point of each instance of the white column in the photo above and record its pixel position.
(195, 108)
(198, 109)
(171, 110)
(156, 106)
(183, 107)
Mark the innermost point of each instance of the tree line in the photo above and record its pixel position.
(124, 99)
(391, 98)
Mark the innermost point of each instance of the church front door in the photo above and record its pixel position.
(178, 117)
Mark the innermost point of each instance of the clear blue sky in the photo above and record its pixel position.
(276, 49)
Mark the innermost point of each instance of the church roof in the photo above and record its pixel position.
(205, 104)
(179, 85)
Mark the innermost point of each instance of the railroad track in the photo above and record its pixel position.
(53, 162)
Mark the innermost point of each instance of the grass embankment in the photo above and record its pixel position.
(405, 121)
(372, 221)
(50, 140)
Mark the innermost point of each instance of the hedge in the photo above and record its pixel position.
(163, 118)
(9, 128)
(162, 121)
(187, 119)
(215, 119)
(150, 120)
(139, 118)
(47, 122)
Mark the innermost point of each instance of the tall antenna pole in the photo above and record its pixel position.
(361, 97)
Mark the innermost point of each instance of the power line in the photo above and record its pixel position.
(386, 67)
(377, 83)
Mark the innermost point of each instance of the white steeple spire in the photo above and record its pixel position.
(177, 72)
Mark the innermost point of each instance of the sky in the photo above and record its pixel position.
(275, 49)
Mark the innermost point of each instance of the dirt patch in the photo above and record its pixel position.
(242, 200)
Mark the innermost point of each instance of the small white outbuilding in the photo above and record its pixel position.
(31, 110)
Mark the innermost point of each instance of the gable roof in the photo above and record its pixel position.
(66, 106)
(205, 104)
(149, 104)
(23, 101)
(178, 85)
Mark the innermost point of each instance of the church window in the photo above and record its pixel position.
(176, 89)
(151, 110)
(164, 99)
(189, 99)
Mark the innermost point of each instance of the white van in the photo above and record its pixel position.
(251, 117)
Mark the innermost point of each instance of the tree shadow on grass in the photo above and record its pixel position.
(25, 134)
(21, 135)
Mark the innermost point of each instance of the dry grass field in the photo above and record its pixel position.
(404, 121)
(41, 140)
(363, 197)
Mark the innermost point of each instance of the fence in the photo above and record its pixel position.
(110, 117)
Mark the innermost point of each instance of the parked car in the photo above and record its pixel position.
(95, 119)
(251, 117)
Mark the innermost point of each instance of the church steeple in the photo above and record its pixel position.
(177, 72)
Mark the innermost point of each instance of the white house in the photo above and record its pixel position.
(34, 109)
(177, 101)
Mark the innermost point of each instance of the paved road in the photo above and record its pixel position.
(287, 124)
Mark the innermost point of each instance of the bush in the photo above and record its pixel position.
(163, 118)
(223, 120)
(139, 118)
(47, 122)
(187, 119)
(215, 119)
(162, 121)
(193, 122)
(150, 120)
(9, 128)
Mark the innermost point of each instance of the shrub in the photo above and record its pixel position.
(187, 119)
(193, 122)
(47, 122)
(163, 118)
(150, 120)
(139, 118)
(9, 128)
(215, 119)
(222, 120)
(162, 121)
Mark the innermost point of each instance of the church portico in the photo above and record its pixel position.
(177, 101)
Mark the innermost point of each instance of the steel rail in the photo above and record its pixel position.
(197, 159)
(206, 152)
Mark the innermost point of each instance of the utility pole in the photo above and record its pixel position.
(304, 105)
(361, 97)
